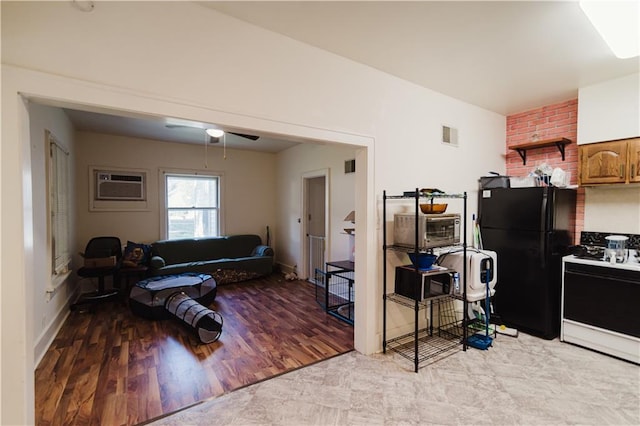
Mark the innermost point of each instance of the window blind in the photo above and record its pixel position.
(59, 206)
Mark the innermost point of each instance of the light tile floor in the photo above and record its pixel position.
(518, 381)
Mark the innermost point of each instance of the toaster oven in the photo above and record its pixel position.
(434, 230)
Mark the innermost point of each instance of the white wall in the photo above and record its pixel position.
(48, 309)
(248, 185)
(610, 110)
(265, 82)
(612, 209)
(292, 164)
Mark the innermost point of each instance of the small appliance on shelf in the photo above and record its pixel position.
(616, 250)
(476, 265)
(434, 230)
(433, 282)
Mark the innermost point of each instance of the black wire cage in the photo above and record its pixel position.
(335, 293)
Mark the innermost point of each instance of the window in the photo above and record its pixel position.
(59, 199)
(192, 205)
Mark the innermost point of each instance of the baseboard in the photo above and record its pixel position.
(286, 269)
(46, 338)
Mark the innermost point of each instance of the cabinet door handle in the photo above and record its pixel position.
(633, 170)
(621, 170)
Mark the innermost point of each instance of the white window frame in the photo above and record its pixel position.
(163, 173)
(59, 205)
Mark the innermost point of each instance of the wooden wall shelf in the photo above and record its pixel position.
(524, 147)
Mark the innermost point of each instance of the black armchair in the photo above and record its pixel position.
(100, 247)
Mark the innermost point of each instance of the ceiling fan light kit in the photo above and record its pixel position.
(215, 133)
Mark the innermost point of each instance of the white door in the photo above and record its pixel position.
(315, 225)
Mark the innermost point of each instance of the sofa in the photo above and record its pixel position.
(244, 256)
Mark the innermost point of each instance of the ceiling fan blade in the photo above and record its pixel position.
(179, 126)
(244, 135)
(212, 139)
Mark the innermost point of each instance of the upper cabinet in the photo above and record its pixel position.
(609, 162)
(634, 160)
(610, 110)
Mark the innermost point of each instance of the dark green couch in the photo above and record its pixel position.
(241, 253)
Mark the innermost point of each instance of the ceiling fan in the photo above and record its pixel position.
(174, 124)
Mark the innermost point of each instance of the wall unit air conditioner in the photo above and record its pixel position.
(121, 186)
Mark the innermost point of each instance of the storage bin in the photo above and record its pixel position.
(491, 182)
(100, 262)
(524, 182)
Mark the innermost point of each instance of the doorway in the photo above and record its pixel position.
(315, 198)
(65, 92)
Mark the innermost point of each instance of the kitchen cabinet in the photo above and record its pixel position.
(430, 343)
(614, 162)
(634, 160)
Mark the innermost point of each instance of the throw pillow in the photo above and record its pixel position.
(135, 254)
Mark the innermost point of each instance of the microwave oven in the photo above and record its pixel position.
(434, 230)
(430, 283)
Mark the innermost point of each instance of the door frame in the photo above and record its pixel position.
(55, 90)
(304, 271)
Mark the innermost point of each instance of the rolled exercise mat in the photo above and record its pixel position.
(207, 324)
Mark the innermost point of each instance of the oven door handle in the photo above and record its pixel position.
(601, 276)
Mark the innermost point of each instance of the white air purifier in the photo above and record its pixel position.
(477, 262)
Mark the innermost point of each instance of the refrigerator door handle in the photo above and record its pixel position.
(544, 245)
(543, 211)
(543, 228)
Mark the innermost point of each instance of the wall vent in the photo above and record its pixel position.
(350, 166)
(123, 186)
(449, 135)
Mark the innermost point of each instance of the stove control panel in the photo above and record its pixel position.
(598, 239)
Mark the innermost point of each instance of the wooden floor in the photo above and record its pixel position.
(113, 368)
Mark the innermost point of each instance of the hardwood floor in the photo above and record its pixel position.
(113, 368)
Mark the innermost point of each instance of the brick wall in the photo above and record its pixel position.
(548, 122)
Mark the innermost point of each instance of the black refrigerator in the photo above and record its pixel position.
(530, 229)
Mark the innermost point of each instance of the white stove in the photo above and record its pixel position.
(632, 263)
(599, 305)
